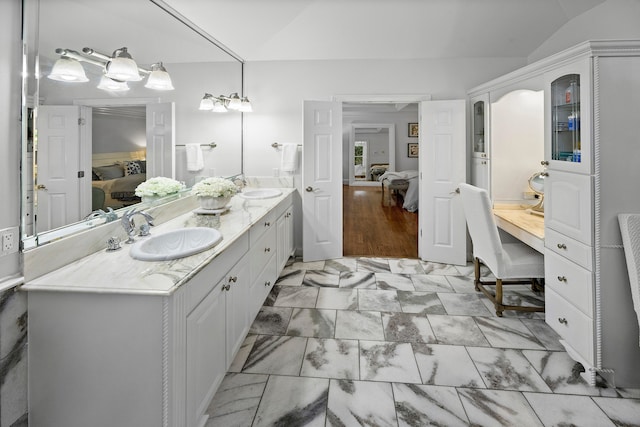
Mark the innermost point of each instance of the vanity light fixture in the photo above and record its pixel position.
(112, 85)
(222, 104)
(68, 70)
(122, 67)
(159, 79)
(118, 68)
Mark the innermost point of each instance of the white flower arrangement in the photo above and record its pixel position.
(159, 186)
(214, 187)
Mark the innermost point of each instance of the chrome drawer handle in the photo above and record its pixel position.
(267, 284)
(267, 224)
(233, 279)
(544, 173)
(544, 163)
(563, 321)
(562, 279)
(226, 288)
(562, 246)
(267, 249)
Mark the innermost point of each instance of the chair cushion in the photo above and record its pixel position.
(520, 262)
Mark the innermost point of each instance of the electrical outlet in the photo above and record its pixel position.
(9, 240)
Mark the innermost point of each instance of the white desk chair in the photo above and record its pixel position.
(510, 263)
(630, 230)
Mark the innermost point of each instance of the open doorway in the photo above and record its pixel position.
(375, 146)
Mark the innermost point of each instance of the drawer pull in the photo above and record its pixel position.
(544, 163)
(562, 320)
(267, 224)
(562, 279)
(233, 279)
(562, 246)
(226, 287)
(544, 173)
(267, 249)
(267, 284)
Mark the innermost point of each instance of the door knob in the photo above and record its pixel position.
(41, 187)
(309, 189)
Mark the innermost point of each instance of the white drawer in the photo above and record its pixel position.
(571, 324)
(570, 281)
(258, 229)
(569, 248)
(262, 251)
(261, 287)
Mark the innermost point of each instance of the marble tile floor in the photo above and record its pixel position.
(401, 342)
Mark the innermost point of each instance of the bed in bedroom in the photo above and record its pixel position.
(405, 182)
(117, 175)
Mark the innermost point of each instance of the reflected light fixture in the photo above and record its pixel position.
(112, 85)
(67, 70)
(118, 69)
(222, 104)
(159, 79)
(122, 67)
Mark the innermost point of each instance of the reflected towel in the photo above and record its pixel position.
(289, 160)
(195, 159)
(630, 230)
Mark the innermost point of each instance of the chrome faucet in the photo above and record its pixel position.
(130, 226)
(108, 216)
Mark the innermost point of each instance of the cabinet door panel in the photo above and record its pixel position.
(570, 281)
(480, 173)
(237, 305)
(568, 205)
(205, 353)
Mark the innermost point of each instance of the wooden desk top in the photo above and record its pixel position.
(526, 227)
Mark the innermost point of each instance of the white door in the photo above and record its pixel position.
(442, 162)
(161, 140)
(322, 180)
(58, 154)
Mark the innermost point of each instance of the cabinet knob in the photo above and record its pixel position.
(562, 279)
(544, 173)
(484, 162)
(562, 246)
(544, 163)
(226, 287)
(267, 249)
(233, 279)
(267, 224)
(563, 321)
(267, 284)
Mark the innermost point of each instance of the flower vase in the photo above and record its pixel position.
(210, 203)
(151, 200)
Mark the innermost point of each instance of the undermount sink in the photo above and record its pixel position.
(175, 244)
(261, 193)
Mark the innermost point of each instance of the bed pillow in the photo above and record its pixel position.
(132, 168)
(109, 172)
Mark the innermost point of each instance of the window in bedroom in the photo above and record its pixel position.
(360, 160)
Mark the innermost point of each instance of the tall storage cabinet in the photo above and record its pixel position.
(480, 146)
(592, 150)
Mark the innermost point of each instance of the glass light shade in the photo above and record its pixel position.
(68, 70)
(234, 102)
(219, 107)
(206, 104)
(159, 80)
(123, 69)
(111, 85)
(246, 107)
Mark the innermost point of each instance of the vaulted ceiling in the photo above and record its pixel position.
(263, 30)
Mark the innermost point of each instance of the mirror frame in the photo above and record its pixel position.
(30, 63)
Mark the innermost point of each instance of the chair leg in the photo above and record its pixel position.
(476, 270)
(498, 303)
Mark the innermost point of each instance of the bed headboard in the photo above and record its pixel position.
(105, 159)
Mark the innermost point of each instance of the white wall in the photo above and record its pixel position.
(278, 88)
(118, 133)
(614, 19)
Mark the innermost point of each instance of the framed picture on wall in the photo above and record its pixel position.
(412, 149)
(413, 129)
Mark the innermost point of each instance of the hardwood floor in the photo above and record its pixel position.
(375, 227)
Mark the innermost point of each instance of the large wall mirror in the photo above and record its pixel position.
(80, 140)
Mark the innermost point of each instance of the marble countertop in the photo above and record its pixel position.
(117, 272)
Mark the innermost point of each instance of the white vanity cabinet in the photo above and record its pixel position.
(285, 237)
(140, 350)
(591, 152)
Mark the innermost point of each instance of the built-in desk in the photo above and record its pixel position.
(524, 226)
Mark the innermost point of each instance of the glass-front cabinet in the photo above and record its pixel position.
(567, 102)
(479, 126)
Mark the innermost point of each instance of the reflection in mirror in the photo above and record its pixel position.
(372, 148)
(88, 146)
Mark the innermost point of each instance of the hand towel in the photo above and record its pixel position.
(195, 159)
(289, 160)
